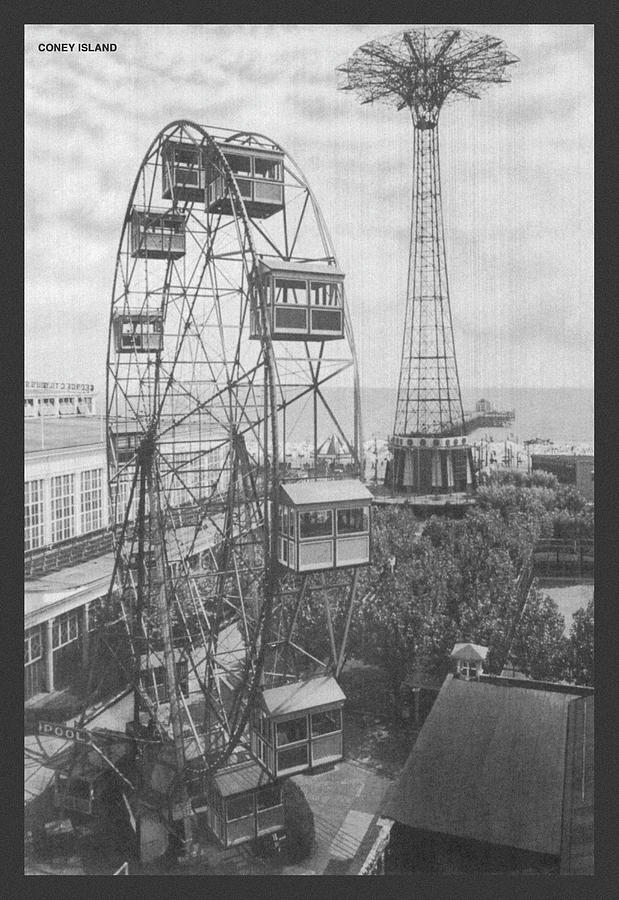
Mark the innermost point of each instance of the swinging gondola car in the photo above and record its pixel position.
(89, 784)
(298, 726)
(324, 525)
(138, 332)
(157, 234)
(259, 174)
(240, 802)
(183, 171)
(125, 445)
(304, 300)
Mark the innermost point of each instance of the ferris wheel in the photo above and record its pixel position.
(230, 341)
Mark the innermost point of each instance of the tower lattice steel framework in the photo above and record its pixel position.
(421, 72)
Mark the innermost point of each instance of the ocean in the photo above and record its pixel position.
(561, 415)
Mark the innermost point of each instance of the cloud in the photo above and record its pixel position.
(516, 169)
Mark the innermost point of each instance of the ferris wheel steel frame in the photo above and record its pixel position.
(246, 405)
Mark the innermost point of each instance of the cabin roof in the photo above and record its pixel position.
(302, 695)
(308, 493)
(466, 650)
(301, 268)
(489, 765)
(240, 778)
(250, 149)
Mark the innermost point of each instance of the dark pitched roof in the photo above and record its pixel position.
(488, 765)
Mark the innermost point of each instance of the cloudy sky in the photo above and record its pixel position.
(517, 177)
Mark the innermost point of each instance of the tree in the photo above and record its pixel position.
(581, 645)
(540, 648)
(298, 823)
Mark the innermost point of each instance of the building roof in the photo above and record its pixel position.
(302, 695)
(238, 779)
(488, 765)
(302, 268)
(58, 433)
(466, 650)
(306, 493)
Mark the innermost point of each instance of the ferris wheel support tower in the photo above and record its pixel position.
(419, 71)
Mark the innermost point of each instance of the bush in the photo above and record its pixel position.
(298, 822)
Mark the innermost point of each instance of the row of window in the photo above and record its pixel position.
(63, 507)
(295, 290)
(65, 630)
(319, 523)
(296, 729)
(242, 806)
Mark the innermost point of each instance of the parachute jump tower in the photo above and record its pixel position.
(420, 71)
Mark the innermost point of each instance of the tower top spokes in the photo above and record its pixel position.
(423, 70)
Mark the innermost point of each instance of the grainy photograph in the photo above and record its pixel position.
(309, 466)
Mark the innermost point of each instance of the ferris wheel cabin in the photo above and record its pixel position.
(259, 174)
(240, 802)
(183, 171)
(138, 333)
(298, 726)
(304, 301)
(324, 525)
(157, 235)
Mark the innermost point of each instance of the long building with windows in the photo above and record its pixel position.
(68, 558)
(67, 545)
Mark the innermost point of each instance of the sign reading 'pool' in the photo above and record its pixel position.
(52, 729)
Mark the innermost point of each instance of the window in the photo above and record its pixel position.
(122, 499)
(240, 165)
(291, 731)
(34, 532)
(33, 645)
(316, 524)
(326, 722)
(63, 508)
(324, 293)
(240, 807)
(91, 500)
(264, 727)
(290, 290)
(269, 797)
(351, 520)
(141, 333)
(267, 168)
(292, 758)
(65, 629)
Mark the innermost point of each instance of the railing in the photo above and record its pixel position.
(566, 555)
(57, 556)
